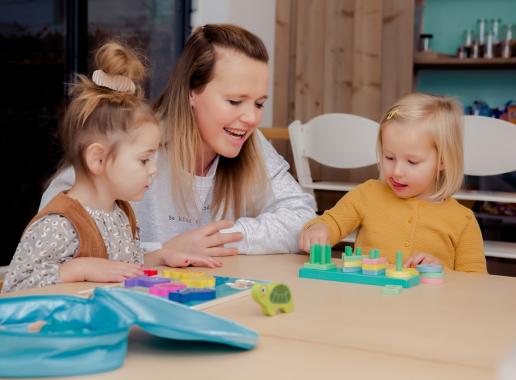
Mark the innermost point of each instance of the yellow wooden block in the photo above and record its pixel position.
(179, 275)
(351, 264)
(170, 273)
(207, 282)
(374, 266)
(405, 273)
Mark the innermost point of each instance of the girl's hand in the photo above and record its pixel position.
(183, 260)
(205, 241)
(95, 269)
(317, 233)
(420, 258)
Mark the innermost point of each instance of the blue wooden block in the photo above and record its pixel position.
(192, 294)
(356, 278)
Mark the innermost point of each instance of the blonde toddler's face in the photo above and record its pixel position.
(409, 160)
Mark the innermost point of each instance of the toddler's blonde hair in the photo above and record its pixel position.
(98, 111)
(443, 117)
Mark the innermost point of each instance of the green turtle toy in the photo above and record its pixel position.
(273, 297)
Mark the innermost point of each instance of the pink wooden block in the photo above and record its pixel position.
(433, 281)
(162, 290)
(380, 260)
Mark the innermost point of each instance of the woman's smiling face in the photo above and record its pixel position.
(230, 107)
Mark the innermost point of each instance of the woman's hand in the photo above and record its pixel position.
(205, 241)
(420, 258)
(172, 259)
(96, 269)
(317, 233)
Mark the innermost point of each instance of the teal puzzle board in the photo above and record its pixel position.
(225, 290)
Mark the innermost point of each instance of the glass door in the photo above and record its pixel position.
(42, 43)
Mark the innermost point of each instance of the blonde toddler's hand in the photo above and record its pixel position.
(318, 233)
(420, 258)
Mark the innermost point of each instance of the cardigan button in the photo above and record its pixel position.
(406, 244)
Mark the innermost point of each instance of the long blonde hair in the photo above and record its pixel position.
(443, 118)
(240, 182)
(97, 111)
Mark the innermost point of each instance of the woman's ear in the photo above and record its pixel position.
(95, 156)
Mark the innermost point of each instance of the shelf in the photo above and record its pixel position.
(488, 196)
(501, 218)
(500, 249)
(452, 63)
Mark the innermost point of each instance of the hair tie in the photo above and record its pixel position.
(118, 83)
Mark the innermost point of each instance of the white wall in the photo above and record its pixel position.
(258, 16)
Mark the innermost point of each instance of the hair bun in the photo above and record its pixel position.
(116, 59)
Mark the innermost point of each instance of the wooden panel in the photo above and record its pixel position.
(367, 40)
(275, 133)
(397, 50)
(338, 56)
(310, 47)
(282, 60)
(338, 72)
(284, 73)
(335, 62)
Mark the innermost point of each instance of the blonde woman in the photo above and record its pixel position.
(214, 166)
(421, 161)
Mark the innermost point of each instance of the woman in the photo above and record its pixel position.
(214, 166)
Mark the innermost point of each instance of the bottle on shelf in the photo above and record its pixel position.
(466, 50)
(488, 51)
(495, 29)
(425, 42)
(481, 31)
(507, 42)
(475, 50)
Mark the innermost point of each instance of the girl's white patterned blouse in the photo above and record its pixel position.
(52, 240)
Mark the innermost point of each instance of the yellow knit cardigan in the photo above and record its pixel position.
(446, 230)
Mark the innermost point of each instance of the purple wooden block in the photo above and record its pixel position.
(148, 282)
(132, 282)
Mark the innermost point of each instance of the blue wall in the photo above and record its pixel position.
(447, 20)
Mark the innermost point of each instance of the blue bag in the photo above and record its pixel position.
(82, 336)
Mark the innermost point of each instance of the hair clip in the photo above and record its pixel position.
(391, 114)
(118, 83)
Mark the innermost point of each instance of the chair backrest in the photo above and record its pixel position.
(489, 146)
(337, 140)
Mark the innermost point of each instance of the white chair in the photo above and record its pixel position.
(489, 149)
(336, 140)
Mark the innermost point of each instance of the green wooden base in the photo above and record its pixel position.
(336, 274)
